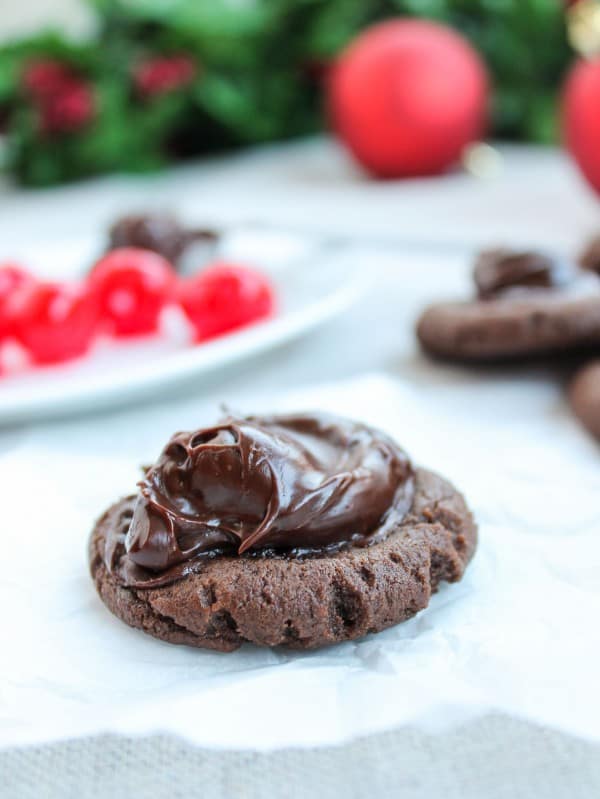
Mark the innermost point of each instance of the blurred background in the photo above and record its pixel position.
(430, 127)
(151, 81)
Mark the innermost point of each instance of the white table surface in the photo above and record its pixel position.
(538, 199)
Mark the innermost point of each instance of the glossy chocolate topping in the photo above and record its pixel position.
(297, 485)
(497, 271)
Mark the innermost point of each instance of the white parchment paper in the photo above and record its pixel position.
(519, 634)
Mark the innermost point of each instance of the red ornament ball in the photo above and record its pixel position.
(407, 96)
(581, 118)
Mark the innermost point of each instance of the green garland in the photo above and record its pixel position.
(257, 76)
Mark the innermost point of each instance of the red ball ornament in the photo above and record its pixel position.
(407, 96)
(581, 117)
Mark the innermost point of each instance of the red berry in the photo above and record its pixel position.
(45, 77)
(224, 297)
(133, 286)
(165, 74)
(69, 109)
(12, 279)
(55, 321)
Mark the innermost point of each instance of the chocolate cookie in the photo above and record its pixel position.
(159, 232)
(301, 531)
(527, 304)
(584, 395)
(589, 258)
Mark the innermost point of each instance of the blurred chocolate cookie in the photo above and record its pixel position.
(161, 233)
(590, 256)
(527, 303)
(584, 395)
(497, 271)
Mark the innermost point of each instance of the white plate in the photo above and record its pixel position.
(314, 282)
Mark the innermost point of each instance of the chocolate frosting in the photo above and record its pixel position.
(497, 271)
(252, 486)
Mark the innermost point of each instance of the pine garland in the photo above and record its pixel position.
(165, 79)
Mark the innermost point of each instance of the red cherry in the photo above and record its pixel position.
(55, 321)
(133, 286)
(12, 279)
(224, 297)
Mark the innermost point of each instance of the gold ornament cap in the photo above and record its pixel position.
(583, 25)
